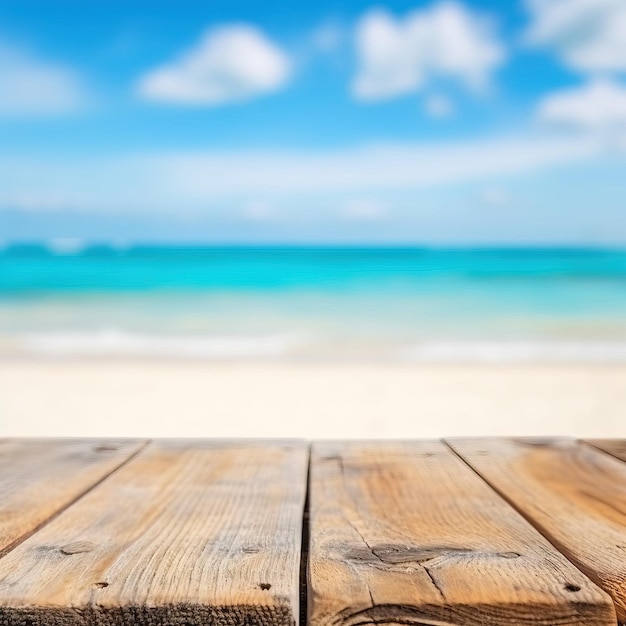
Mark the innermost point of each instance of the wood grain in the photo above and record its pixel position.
(614, 447)
(189, 533)
(40, 477)
(406, 533)
(573, 493)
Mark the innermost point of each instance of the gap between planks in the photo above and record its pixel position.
(304, 547)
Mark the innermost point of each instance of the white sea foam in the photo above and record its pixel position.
(523, 351)
(112, 342)
(122, 343)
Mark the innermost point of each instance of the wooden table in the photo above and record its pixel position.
(244, 533)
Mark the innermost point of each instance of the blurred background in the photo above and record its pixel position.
(329, 219)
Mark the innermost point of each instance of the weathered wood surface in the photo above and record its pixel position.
(575, 495)
(40, 477)
(189, 533)
(406, 533)
(614, 447)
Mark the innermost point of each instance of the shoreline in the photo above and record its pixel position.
(194, 398)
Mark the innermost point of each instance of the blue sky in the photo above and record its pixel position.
(442, 122)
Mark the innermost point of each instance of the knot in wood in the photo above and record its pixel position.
(77, 547)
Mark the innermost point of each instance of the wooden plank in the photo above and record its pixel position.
(193, 533)
(614, 447)
(406, 533)
(573, 493)
(40, 477)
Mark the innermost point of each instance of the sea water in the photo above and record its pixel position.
(314, 303)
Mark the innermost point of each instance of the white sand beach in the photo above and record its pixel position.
(159, 398)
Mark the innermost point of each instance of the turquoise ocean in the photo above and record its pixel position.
(313, 303)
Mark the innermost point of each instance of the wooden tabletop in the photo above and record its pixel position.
(471, 532)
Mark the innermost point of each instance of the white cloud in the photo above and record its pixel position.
(599, 106)
(365, 210)
(495, 197)
(33, 87)
(438, 106)
(29, 198)
(367, 168)
(588, 35)
(327, 37)
(259, 211)
(231, 63)
(176, 182)
(398, 56)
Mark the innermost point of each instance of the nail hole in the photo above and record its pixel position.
(101, 585)
(571, 587)
(265, 586)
